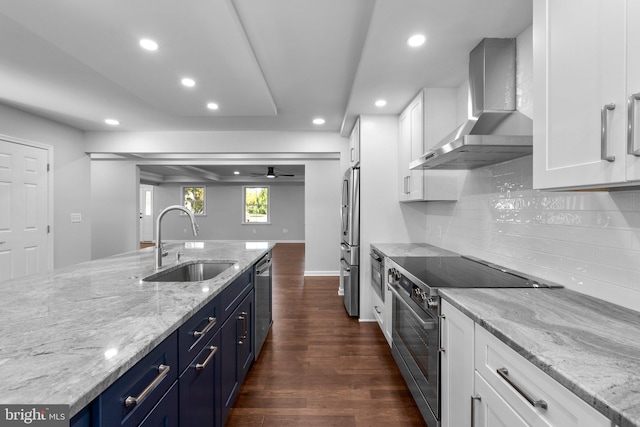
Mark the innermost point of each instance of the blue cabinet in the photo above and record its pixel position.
(165, 413)
(236, 352)
(199, 390)
(133, 396)
(192, 378)
(194, 334)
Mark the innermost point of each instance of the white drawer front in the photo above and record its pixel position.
(378, 309)
(564, 409)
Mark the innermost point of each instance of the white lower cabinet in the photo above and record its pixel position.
(498, 387)
(382, 313)
(456, 367)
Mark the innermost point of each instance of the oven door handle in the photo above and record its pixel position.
(425, 324)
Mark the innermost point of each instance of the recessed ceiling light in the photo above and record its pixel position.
(416, 40)
(380, 103)
(148, 44)
(236, 172)
(112, 122)
(212, 106)
(318, 121)
(188, 82)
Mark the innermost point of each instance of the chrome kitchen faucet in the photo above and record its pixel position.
(159, 251)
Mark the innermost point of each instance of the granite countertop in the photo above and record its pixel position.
(66, 335)
(590, 346)
(411, 249)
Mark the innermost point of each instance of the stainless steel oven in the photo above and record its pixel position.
(416, 340)
(415, 283)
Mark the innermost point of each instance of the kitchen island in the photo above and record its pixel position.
(67, 335)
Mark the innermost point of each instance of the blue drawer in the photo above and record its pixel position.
(234, 294)
(117, 406)
(197, 331)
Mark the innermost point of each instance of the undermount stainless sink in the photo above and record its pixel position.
(193, 271)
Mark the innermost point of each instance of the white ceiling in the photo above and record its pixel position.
(269, 64)
(218, 173)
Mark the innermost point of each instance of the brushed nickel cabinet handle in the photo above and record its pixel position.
(212, 321)
(245, 330)
(604, 134)
(163, 370)
(201, 366)
(504, 374)
(473, 408)
(631, 125)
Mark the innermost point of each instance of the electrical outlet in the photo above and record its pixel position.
(76, 217)
(285, 230)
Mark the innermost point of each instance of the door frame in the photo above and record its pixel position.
(140, 230)
(50, 208)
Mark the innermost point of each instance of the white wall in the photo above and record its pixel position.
(322, 217)
(586, 241)
(320, 152)
(223, 219)
(383, 218)
(71, 180)
(114, 205)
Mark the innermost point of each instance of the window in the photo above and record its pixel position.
(256, 205)
(193, 198)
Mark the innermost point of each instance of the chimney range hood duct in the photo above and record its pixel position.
(496, 132)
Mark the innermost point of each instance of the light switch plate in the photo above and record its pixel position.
(76, 217)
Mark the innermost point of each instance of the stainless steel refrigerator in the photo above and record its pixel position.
(350, 244)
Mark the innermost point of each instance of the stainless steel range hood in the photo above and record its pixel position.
(496, 132)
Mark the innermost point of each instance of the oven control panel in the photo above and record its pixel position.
(417, 294)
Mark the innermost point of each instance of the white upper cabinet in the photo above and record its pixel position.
(410, 146)
(586, 68)
(428, 118)
(354, 145)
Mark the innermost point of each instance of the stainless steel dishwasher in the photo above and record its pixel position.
(262, 286)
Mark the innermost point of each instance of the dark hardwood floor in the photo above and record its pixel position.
(319, 367)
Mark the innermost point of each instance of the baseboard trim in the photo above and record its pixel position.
(322, 273)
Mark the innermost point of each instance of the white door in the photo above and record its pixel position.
(146, 213)
(633, 88)
(23, 210)
(580, 104)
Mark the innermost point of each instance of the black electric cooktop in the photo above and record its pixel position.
(463, 272)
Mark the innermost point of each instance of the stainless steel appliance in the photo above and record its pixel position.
(414, 283)
(350, 244)
(496, 132)
(377, 273)
(263, 296)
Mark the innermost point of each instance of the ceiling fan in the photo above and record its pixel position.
(271, 173)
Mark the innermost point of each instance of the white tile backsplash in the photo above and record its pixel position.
(586, 241)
